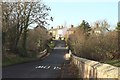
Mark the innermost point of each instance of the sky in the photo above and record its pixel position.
(74, 11)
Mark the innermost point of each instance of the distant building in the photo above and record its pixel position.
(61, 32)
(70, 31)
(97, 30)
(58, 33)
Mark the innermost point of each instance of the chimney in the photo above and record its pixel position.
(72, 26)
(51, 27)
(97, 25)
(59, 27)
(62, 26)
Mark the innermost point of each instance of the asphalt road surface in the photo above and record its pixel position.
(49, 67)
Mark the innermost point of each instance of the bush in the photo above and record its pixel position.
(50, 45)
(95, 47)
(37, 40)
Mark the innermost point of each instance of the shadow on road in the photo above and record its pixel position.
(49, 67)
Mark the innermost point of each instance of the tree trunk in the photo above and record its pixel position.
(17, 37)
(24, 50)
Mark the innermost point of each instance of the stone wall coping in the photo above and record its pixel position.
(101, 67)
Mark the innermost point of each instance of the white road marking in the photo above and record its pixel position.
(44, 67)
(54, 67)
(58, 68)
(41, 66)
(47, 67)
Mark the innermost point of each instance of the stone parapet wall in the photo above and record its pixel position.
(93, 69)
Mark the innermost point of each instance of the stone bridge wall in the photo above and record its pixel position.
(92, 69)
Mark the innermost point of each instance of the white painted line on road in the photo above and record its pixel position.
(58, 68)
(44, 67)
(47, 67)
(54, 67)
(39, 66)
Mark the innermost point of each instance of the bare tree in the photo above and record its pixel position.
(17, 17)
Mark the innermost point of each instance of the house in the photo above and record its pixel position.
(53, 32)
(70, 31)
(58, 33)
(100, 29)
(61, 32)
(97, 30)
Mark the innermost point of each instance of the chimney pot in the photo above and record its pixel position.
(72, 26)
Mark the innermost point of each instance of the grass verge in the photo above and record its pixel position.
(12, 59)
(115, 62)
(51, 46)
(16, 60)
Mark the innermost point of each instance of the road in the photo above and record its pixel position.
(49, 67)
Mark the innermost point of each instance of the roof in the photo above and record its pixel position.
(71, 29)
(54, 29)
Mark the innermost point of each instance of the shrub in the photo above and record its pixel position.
(95, 47)
(37, 40)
